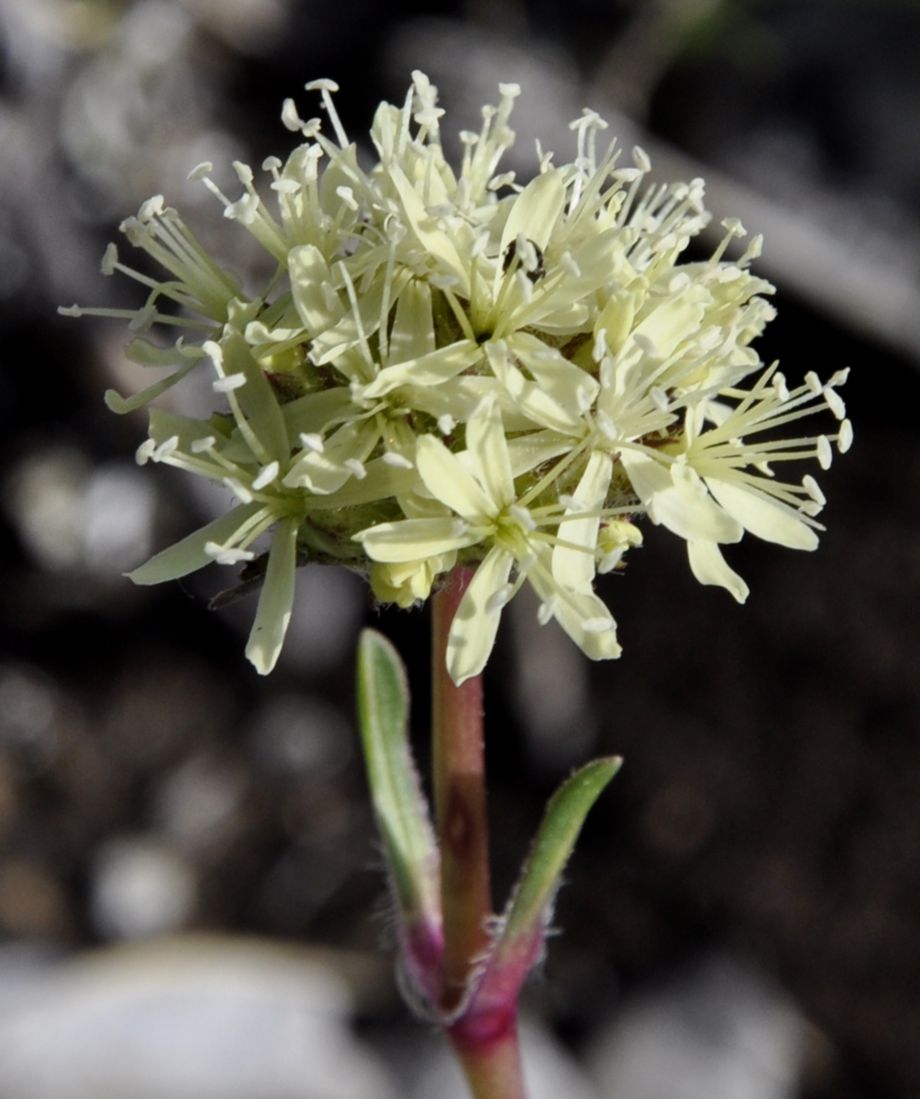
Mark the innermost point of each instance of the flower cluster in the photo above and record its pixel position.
(447, 367)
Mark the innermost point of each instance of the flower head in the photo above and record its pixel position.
(445, 366)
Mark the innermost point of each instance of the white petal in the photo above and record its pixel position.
(412, 335)
(574, 568)
(276, 600)
(488, 448)
(447, 480)
(475, 624)
(188, 555)
(310, 276)
(676, 497)
(583, 616)
(256, 398)
(535, 211)
(532, 400)
(673, 321)
(431, 369)
(768, 519)
(572, 388)
(710, 567)
(415, 539)
(433, 239)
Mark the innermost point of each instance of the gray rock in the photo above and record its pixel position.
(194, 1018)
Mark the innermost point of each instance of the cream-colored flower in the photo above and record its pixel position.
(716, 480)
(484, 510)
(443, 365)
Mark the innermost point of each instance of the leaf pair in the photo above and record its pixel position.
(413, 859)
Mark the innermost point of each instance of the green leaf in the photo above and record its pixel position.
(529, 910)
(399, 805)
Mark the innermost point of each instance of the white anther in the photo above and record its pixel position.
(322, 85)
(312, 441)
(546, 611)
(356, 468)
(200, 446)
(824, 453)
(150, 209)
(504, 179)
(267, 475)
(446, 423)
(835, 403)
(228, 384)
(244, 210)
(109, 260)
(227, 555)
(145, 452)
(845, 436)
(813, 383)
(165, 448)
(347, 195)
(813, 489)
(397, 461)
(289, 117)
(200, 171)
(641, 159)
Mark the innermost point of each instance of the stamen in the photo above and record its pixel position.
(397, 461)
(312, 441)
(229, 383)
(268, 474)
(227, 555)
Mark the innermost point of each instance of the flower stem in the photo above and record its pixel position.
(460, 801)
(484, 1038)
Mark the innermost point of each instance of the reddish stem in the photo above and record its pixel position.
(484, 1037)
(460, 800)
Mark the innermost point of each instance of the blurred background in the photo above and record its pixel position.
(191, 900)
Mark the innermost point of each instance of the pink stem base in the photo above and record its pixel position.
(488, 1051)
